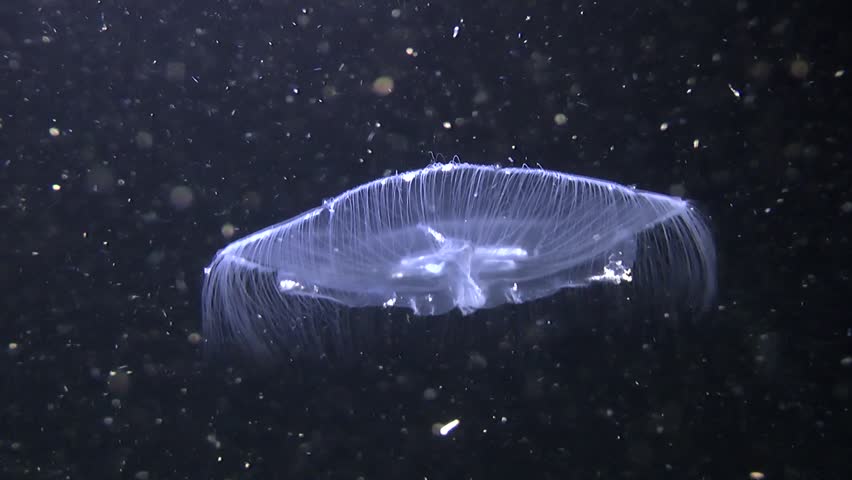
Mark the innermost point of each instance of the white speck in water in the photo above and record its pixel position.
(446, 429)
(734, 91)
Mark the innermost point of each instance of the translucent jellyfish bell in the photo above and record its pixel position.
(451, 236)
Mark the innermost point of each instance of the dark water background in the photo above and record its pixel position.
(134, 136)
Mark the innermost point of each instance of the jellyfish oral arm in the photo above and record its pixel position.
(458, 267)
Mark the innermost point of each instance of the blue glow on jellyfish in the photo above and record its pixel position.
(451, 236)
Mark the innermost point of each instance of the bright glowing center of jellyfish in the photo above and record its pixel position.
(460, 264)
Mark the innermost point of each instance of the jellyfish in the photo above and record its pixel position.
(451, 237)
